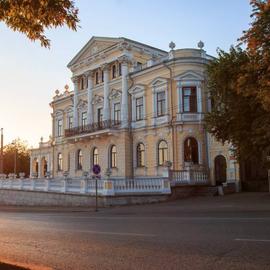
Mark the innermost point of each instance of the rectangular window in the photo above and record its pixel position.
(100, 115)
(119, 69)
(70, 122)
(161, 103)
(139, 108)
(189, 99)
(59, 127)
(117, 111)
(84, 119)
(102, 76)
(114, 71)
(96, 78)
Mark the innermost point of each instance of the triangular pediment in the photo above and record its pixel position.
(94, 46)
(159, 81)
(189, 76)
(137, 89)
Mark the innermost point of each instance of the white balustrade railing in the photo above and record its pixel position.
(88, 186)
(189, 177)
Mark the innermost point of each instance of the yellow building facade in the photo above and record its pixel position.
(135, 110)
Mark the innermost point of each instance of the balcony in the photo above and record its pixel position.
(86, 129)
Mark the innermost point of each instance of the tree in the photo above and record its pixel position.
(18, 150)
(33, 17)
(257, 40)
(239, 85)
(236, 117)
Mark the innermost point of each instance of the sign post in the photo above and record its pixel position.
(96, 171)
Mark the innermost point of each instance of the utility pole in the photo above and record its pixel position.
(1, 152)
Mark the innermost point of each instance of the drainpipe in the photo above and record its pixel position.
(172, 117)
(130, 131)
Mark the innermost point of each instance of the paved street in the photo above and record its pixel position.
(230, 232)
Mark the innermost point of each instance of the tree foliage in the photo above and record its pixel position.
(18, 150)
(239, 85)
(33, 17)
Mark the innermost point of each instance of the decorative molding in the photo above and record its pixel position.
(189, 75)
(97, 99)
(115, 94)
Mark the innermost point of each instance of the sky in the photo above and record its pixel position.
(30, 74)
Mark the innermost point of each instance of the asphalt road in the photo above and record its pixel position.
(230, 232)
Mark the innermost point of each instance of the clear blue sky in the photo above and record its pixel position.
(30, 74)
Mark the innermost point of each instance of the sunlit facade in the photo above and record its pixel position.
(134, 110)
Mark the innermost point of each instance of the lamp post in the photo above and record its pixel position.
(1, 152)
(15, 157)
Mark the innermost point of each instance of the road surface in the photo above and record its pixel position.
(230, 232)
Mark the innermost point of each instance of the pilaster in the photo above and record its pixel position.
(75, 101)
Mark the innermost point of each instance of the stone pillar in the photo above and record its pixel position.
(31, 166)
(199, 98)
(106, 108)
(89, 77)
(39, 167)
(75, 101)
(124, 101)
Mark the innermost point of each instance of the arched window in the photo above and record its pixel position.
(59, 162)
(113, 156)
(95, 156)
(191, 150)
(162, 152)
(140, 155)
(79, 159)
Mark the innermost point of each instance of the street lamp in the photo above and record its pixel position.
(15, 157)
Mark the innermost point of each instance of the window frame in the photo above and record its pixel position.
(95, 156)
(117, 112)
(79, 159)
(59, 162)
(140, 155)
(139, 112)
(162, 102)
(194, 155)
(113, 157)
(59, 127)
(192, 99)
(161, 152)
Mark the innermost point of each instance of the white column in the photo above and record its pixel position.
(199, 98)
(106, 108)
(124, 105)
(39, 167)
(180, 97)
(75, 101)
(89, 77)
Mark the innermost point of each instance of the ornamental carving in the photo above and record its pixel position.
(115, 94)
(97, 99)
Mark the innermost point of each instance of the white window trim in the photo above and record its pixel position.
(138, 91)
(159, 85)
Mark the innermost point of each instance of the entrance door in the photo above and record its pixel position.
(220, 169)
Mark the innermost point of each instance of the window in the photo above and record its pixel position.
(102, 76)
(191, 150)
(70, 122)
(95, 156)
(114, 71)
(96, 77)
(100, 115)
(189, 99)
(59, 127)
(161, 103)
(113, 157)
(84, 118)
(140, 155)
(139, 108)
(59, 162)
(119, 69)
(79, 159)
(162, 153)
(117, 111)
(82, 83)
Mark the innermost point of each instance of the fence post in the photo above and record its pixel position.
(47, 185)
(166, 187)
(83, 186)
(108, 188)
(32, 184)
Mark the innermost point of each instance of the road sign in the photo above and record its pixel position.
(96, 169)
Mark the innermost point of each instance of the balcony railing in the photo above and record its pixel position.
(85, 129)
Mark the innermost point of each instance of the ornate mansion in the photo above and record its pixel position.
(135, 110)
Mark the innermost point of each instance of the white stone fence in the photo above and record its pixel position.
(189, 177)
(115, 187)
